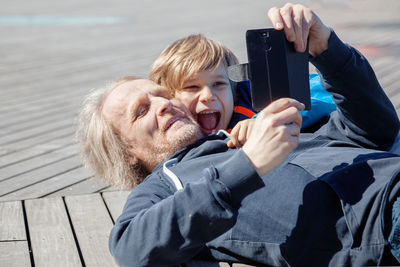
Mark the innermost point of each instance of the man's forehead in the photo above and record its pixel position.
(125, 94)
(130, 88)
(119, 97)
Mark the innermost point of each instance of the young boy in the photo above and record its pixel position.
(195, 69)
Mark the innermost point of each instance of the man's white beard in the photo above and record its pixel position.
(159, 152)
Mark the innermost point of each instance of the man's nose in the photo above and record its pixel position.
(206, 94)
(163, 105)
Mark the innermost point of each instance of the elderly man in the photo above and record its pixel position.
(283, 199)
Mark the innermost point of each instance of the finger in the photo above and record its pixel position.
(279, 105)
(293, 129)
(285, 138)
(242, 136)
(230, 144)
(234, 136)
(275, 17)
(291, 116)
(288, 134)
(307, 23)
(286, 14)
(286, 117)
(298, 28)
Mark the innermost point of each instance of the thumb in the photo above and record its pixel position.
(230, 144)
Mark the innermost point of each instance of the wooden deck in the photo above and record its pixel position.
(67, 231)
(52, 54)
(71, 230)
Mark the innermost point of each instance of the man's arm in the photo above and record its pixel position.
(365, 115)
(160, 227)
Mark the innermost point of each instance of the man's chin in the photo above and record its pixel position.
(184, 135)
(176, 138)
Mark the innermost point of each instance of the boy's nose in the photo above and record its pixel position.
(206, 94)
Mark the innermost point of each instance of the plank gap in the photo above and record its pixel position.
(74, 233)
(108, 210)
(62, 188)
(28, 237)
(15, 240)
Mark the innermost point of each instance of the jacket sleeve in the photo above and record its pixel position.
(365, 115)
(159, 227)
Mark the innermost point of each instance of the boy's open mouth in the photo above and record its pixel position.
(209, 121)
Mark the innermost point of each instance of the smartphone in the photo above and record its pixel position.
(276, 70)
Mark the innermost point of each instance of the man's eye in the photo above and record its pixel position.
(142, 111)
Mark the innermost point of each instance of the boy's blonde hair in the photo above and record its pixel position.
(188, 56)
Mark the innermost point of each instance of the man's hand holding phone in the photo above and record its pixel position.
(273, 135)
(299, 24)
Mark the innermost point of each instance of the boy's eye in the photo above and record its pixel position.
(191, 87)
(220, 83)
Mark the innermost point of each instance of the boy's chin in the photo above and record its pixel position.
(210, 131)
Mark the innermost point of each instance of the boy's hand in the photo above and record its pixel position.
(300, 23)
(274, 134)
(240, 133)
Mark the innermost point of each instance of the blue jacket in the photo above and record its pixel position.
(328, 204)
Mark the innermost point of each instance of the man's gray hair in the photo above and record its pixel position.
(102, 148)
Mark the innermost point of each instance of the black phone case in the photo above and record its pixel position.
(276, 70)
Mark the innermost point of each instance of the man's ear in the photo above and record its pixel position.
(132, 158)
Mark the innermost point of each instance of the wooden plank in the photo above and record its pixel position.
(29, 116)
(36, 140)
(33, 100)
(115, 201)
(37, 175)
(92, 224)
(37, 130)
(49, 186)
(51, 235)
(36, 100)
(12, 225)
(14, 254)
(90, 185)
(34, 157)
(33, 123)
